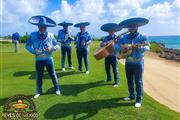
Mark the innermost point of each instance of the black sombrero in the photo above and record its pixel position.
(133, 22)
(42, 21)
(110, 26)
(65, 24)
(81, 24)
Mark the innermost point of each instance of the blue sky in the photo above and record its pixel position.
(163, 14)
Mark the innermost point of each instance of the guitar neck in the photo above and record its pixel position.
(123, 33)
(120, 35)
(142, 44)
(130, 45)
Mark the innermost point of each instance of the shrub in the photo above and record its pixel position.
(155, 47)
(24, 38)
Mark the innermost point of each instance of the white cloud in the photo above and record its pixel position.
(96, 11)
(119, 9)
(176, 4)
(162, 12)
(15, 14)
(27, 7)
(82, 10)
(21, 8)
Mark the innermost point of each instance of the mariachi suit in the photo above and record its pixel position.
(40, 41)
(111, 60)
(65, 39)
(134, 65)
(83, 39)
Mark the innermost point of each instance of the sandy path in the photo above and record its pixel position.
(162, 80)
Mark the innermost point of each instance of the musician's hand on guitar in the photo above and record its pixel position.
(115, 40)
(104, 44)
(124, 49)
(48, 49)
(119, 36)
(134, 46)
(37, 51)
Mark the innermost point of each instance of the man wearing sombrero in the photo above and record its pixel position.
(42, 43)
(134, 64)
(111, 60)
(83, 39)
(65, 38)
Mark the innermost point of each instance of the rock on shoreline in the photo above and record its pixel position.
(169, 53)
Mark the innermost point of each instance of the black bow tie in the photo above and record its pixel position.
(81, 33)
(42, 36)
(66, 31)
(110, 37)
(133, 35)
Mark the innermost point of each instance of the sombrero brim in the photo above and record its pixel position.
(82, 24)
(134, 21)
(35, 21)
(65, 24)
(110, 26)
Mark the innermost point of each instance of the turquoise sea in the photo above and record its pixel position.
(168, 41)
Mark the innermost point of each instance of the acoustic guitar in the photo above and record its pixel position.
(128, 48)
(107, 50)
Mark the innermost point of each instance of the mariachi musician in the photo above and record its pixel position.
(134, 64)
(42, 43)
(65, 38)
(83, 40)
(111, 60)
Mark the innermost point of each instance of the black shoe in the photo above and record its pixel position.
(107, 80)
(80, 70)
(128, 98)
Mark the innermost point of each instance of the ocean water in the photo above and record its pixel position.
(168, 41)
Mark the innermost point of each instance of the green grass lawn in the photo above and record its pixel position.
(84, 96)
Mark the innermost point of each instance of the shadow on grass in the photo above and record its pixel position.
(67, 90)
(75, 89)
(46, 76)
(88, 108)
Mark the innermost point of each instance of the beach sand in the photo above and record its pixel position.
(162, 80)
